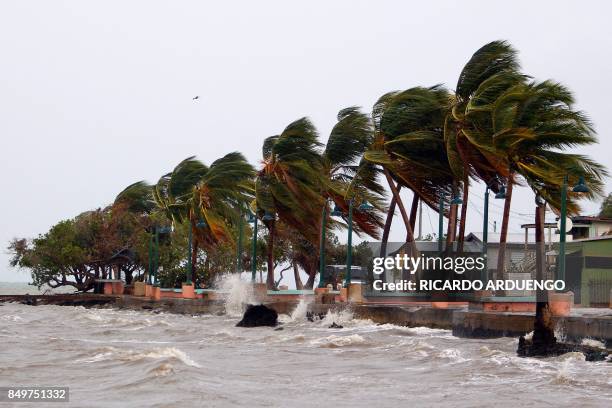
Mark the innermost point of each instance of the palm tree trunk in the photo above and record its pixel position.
(311, 278)
(543, 333)
(463, 215)
(501, 256)
(296, 276)
(413, 210)
(452, 222)
(388, 222)
(398, 199)
(270, 277)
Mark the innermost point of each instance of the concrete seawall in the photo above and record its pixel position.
(582, 324)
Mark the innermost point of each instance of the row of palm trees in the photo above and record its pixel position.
(498, 126)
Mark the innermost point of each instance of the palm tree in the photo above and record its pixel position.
(467, 132)
(210, 199)
(533, 123)
(346, 176)
(289, 183)
(409, 146)
(137, 197)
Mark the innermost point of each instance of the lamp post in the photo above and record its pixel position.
(485, 236)
(253, 219)
(322, 246)
(239, 245)
(159, 231)
(156, 256)
(364, 207)
(150, 272)
(189, 245)
(581, 187)
(349, 246)
(440, 222)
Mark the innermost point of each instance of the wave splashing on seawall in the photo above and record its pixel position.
(236, 293)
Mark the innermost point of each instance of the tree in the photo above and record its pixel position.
(467, 131)
(209, 199)
(532, 124)
(409, 146)
(289, 184)
(606, 207)
(94, 245)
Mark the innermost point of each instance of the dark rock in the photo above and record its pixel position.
(147, 307)
(279, 329)
(334, 325)
(29, 300)
(526, 348)
(312, 316)
(258, 315)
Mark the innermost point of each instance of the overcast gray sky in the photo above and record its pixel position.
(97, 95)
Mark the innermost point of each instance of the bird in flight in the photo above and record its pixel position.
(196, 97)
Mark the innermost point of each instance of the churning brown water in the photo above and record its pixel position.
(118, 358)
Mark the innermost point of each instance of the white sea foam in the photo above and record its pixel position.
(129, 355)
(453, 355)
(335, 341)
(341, 317)
(236, 293)
(593, 343)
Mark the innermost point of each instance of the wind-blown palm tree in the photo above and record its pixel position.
(409, 146)
(347, 175)
(467, 132)
(533, 123)
(289, 183)
(137, 197)
(210, 199)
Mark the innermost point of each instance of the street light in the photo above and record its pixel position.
(363, 207)
(581, 187)
(239, 244)
(268, 216)
(440, 222)
(485, 235)
(322, 244)
(253, 219)
(337, 212)
(456, 200)
(154, 252)
(501, 195)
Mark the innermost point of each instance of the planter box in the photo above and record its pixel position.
(560, 303)
(139, 288)
(188, 291)
(156, 293)
(118, 288)
(355, 293)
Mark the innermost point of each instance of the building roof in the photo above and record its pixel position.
(511, 238)
(590, 218)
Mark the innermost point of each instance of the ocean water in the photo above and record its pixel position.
(21, 288)
(120, 358)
